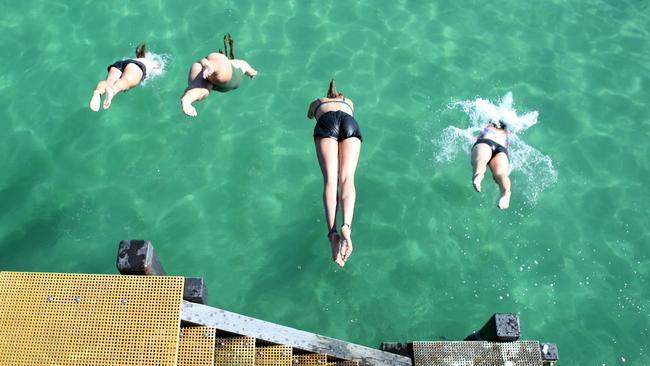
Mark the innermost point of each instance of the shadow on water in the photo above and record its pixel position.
(27, 242)
(293, 264)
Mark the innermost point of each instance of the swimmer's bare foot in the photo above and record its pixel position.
(504, 201)
(188, 108)
(476, 181)
(346, 242)
(336, 247)
(95, 100)
(109, 97)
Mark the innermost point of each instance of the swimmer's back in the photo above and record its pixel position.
(323, 105)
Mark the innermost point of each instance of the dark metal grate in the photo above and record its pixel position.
(526, 353)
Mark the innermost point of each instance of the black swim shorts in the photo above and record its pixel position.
(337, 125)
(496, 147)
(121, 65)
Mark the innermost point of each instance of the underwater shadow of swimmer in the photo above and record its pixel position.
(293, 258)
(26, 242)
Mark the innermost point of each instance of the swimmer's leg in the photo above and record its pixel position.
(327, 151)
(225, 46)
(113, 75)
(231, 42)
(131, 77)
(499, 166)
(349, 150)
(197, 89)
(481, 154)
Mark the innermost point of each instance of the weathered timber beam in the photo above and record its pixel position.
(243, 325)
(195, 290)
(501, 327)
(400, 348)
(550, 354)
(137, 257)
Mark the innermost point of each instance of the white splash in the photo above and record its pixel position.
(161, 59)
(537, 169)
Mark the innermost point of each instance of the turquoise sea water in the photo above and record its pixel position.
(235, 194)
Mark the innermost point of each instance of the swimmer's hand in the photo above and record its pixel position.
(251, 72)
(207, 70)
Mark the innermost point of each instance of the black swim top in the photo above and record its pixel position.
(332, 101)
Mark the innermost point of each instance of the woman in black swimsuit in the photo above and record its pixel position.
(491, 148)
(123, 75)
(338, 144)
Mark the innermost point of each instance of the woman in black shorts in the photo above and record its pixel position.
(123, 75)
(491, 148)
(338, 144)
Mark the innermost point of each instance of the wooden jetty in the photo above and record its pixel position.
(144, 317)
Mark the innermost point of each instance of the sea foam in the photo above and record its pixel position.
(162, 59)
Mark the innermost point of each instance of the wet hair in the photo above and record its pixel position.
(140, 50)
(499, 124)
(332, 92)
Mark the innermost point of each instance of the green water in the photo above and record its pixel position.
(235, 194)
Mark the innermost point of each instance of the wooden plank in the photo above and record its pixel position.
(260, 329)
(400, 348)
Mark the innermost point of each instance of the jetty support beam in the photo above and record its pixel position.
(239, 324)
(501, 327)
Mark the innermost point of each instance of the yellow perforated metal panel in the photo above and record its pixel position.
(317, 359)
(234, 351)
(273, 355)
(196, 347)
(74, 319)
(343, 363)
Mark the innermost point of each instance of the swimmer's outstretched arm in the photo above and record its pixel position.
(245, 67)
(310, 110)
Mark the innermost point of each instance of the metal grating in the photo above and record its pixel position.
(234, 351)
(526, 353)
(273, 355)
(75, 319)
(343, 363)
(310, 359)
(196, 347)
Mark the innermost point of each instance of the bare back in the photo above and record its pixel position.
(222, 66)
(498, 135)
(321, 106)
